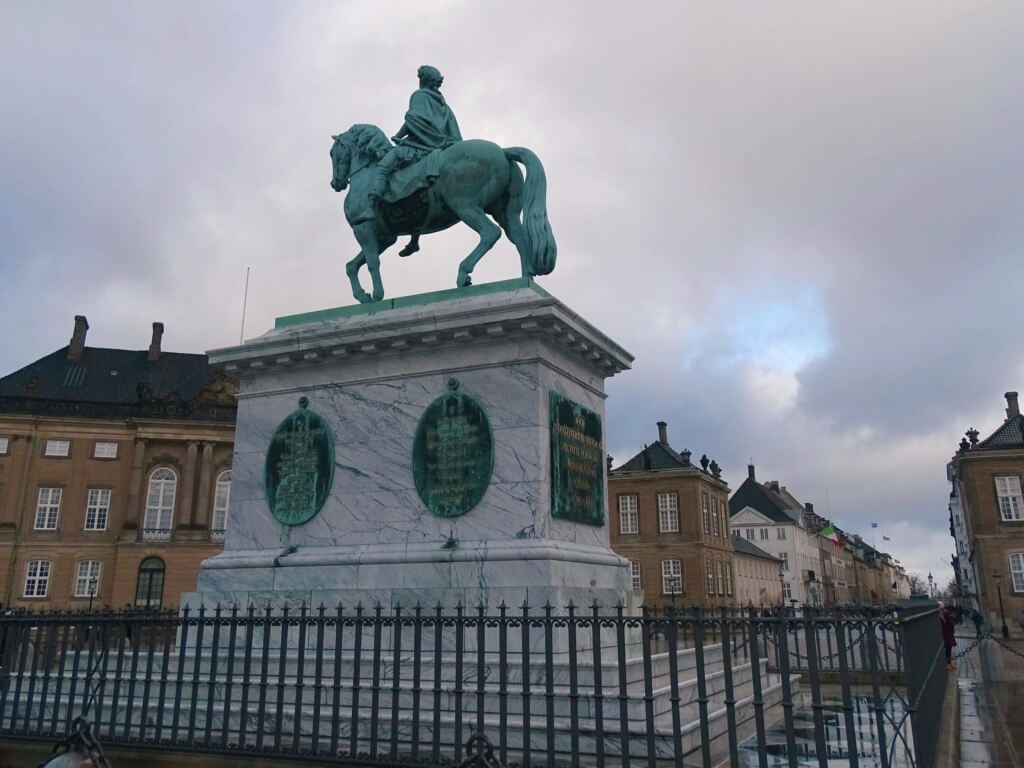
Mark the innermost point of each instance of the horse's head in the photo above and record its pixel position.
(359, 146)
(341, 160)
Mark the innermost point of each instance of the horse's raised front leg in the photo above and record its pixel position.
(489, 233)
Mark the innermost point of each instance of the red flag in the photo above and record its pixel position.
(885, 538)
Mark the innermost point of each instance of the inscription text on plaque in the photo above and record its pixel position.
(452, 454)
(577, 462)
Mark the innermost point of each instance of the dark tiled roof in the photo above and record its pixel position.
(744, 547)
(116, 382)
(757, 496)
(656, 456)
(1009, 435)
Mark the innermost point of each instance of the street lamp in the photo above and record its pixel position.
(676, 585)
(931, 586)
(998, 577)
(92, 591)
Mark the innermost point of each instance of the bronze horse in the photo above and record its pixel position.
(477, 179)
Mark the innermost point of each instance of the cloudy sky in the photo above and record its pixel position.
(804, 219)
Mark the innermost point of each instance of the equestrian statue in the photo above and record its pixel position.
(431, 178)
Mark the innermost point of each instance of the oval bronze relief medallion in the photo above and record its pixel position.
(299, 466)
(452, 454)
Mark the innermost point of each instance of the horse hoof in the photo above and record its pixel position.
(465, 282)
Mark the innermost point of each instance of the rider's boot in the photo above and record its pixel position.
(412, 247)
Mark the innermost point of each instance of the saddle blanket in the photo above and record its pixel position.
(419, 174)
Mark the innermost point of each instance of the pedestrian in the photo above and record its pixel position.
(977, 619)
(948, 630)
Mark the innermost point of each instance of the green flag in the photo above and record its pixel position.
(830, 533)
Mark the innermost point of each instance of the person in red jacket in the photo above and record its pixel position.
(948, 630)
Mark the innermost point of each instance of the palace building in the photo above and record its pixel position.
(670, 519)
(987, 519)
(115, 470)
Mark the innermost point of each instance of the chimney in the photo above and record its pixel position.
(77, 344)
(663, 431)
(774, 485)
(154, 345)
(1012, 406)
(750, 472)
(809, 507)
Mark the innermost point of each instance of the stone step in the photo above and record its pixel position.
(563, 733)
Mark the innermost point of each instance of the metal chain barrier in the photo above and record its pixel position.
(82, 742)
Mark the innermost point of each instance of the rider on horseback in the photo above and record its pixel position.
(429, 124)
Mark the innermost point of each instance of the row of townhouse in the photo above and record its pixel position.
(815, 569)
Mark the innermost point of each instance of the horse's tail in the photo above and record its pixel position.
(540, 242)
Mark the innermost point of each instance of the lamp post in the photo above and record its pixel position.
(998, 577)
(782, 584)
(92, 591)
(931, 586)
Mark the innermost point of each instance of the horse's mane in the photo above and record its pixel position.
(368, 138)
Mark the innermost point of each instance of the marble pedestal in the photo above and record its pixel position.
(371, 371)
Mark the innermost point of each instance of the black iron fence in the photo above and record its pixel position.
(400, 686)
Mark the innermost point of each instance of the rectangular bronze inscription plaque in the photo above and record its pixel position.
(577, 462)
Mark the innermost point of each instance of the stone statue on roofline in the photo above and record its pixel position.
(430, 179)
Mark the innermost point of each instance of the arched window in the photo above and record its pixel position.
(160, 504)
(221, 498)
(150, 590)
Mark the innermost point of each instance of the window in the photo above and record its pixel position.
(787, 590)
(780, 534)
(668, 512)
(97, 509)
(764, 534)
(159, 504)
(728, 578)
(750, 534)
(5, 443)
(104, 451)
(671, 577)
(1011, 504)
(634, 575)
(629, 518)
(150, 590)
(721, 581)
(1017, 571)
(87, 580)
(723, 505)
(704, 512)
(711, 578)
(37, 578)
(57, 448)
(715, 528)
(48, 509)
(221, 497)
(784, 557)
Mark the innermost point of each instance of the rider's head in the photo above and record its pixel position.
(429, 77)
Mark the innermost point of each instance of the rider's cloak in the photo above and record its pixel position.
(430, 121)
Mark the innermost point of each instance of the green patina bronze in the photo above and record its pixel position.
(452, 454)
(299, 466)
(577, 462)
(431, 179)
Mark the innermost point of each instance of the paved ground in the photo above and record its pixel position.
(990, 676)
